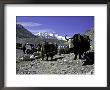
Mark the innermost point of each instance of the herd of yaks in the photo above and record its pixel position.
(78, 44)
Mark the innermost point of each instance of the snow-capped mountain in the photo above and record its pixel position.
(51, 35)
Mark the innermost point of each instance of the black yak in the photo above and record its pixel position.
(79, 44)
(48, 50)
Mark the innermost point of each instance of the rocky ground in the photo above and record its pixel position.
(61, 64)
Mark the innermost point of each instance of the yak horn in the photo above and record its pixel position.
(66, 38)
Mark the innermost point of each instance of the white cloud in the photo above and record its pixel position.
(29, 24)
(45, 30)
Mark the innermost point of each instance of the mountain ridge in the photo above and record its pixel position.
(22, 32)
(25, 36)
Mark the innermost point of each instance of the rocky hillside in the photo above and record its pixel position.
(90, 33)
(38, 40)
(24, 36)
(62, 64)
(22, 32)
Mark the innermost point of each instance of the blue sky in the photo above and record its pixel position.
(63, 25)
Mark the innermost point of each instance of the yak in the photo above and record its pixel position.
(78, 44)
(89, 56)
(48, 50)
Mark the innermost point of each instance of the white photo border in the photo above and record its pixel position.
(100, 16)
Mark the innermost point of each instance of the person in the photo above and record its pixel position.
(28, 48)
(24, 48)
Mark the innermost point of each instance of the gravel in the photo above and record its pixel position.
(64, 64)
